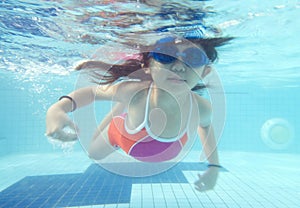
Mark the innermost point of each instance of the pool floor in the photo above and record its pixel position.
(59, 180)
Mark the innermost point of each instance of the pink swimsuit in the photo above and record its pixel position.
(141, 143)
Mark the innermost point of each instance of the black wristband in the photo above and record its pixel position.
(214, 165)
(74, 106)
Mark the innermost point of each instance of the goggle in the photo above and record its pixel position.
(166, 52)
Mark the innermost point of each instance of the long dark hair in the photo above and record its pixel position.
(104, 73)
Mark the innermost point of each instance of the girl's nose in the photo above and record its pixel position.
(178, 66)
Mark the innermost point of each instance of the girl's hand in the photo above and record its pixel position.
(56, 122)
(207, 180)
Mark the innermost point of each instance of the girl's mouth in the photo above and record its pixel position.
(176, 80)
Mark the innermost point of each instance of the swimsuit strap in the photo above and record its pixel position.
(143, 124)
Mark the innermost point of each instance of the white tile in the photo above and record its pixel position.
(108, 206)
(123, 206)
(253, 180)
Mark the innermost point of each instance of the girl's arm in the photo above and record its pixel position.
(208, 179)
(57, 118)
(209, 144)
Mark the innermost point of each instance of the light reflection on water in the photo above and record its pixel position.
(49, 37)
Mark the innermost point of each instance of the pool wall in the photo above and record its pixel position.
(23, 118)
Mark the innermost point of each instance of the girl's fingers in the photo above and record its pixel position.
(73, 126)
(65, 136)
(200, 186)
(202, 189)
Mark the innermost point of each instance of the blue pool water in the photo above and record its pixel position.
(259, 147)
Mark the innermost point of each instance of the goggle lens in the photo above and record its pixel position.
(167, 53)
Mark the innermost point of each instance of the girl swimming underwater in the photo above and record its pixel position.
(157, 109)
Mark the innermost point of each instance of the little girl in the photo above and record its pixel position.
(157, 112)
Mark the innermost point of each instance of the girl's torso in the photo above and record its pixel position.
(165, 115)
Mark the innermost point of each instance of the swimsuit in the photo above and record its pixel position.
(141, 143)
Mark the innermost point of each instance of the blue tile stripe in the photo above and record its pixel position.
(94, 186)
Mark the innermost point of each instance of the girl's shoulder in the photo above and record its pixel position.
(204, 109)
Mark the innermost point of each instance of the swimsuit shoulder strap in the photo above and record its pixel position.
(143, 124)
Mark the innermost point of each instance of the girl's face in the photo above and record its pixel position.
(179, 72)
